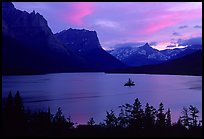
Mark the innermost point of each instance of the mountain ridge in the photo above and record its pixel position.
(146, 55)
(187, 65)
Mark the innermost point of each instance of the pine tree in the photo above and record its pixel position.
(178, 124)
(123, 117)
(149, 116)
(59, 118)
(91, 121)
(70, 124)
(111, 119)
(161, 116)
(137, 115)
(185, 118)
(7, 115)
(193, 112)
(18, 104)
(168, 119)
(9, 105)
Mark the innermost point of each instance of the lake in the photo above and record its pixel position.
(85, 95)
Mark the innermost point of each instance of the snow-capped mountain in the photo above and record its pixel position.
(180, 52)
(169, 53)
(187, 65)
(145, 55)
(138, 56)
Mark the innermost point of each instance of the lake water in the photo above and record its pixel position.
(85, 95)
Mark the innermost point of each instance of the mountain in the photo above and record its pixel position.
(146, 55)
(29, 46)
(186, 65)
(86, 44)
(138, 56)
(180, 52)
(172, 52)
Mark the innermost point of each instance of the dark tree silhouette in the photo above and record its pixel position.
(14, 116)
(8, 108)
(137, 115)
(160, 116)
(168, 119)
(91, 121)
(178, 126)
(149, 116)
(43, 119)
(193, 113)
(111, 119)
(69, 123)
(59, 118)
(131, 116)
(123, 118)
(185, 118)
(19, 113)
(18, 104)
(128, 112)
(7, 116)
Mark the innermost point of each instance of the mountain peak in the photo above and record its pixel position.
(33, 12)
(7, 6)
(146, 45)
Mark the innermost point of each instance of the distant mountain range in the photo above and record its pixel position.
(146, 55)
(138, 56)
(187, 65)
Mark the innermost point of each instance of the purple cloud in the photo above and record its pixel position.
(197, 26)
(176, 34)
(182, 27)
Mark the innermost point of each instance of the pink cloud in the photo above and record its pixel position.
(77, 12)
(163, 19)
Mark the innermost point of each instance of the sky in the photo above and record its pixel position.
(161, 24)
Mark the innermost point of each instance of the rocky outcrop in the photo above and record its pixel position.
(80, 41)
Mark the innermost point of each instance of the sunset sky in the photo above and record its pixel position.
(159, 23)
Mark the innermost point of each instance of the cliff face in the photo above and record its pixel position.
(29, 45)
(29, 28)
(86, 44)
(79, 41)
